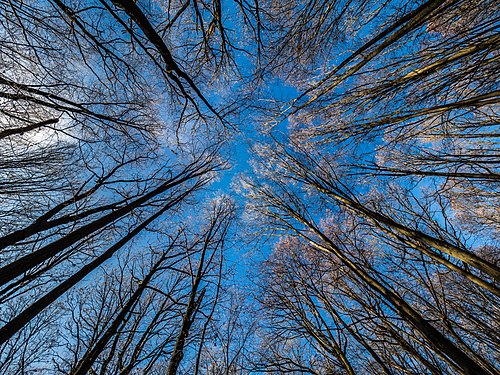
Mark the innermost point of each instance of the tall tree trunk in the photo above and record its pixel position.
(92, 353)
(440, 343)
(24, 264)
(17, 323)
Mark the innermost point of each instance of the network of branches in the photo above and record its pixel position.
(249, 187)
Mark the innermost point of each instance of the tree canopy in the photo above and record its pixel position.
(249, 187)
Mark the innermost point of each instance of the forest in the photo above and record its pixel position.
(249, 187)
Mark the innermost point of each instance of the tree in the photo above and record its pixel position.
(387, 157)
(288, 212)
(92, 159)
(374, 147)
